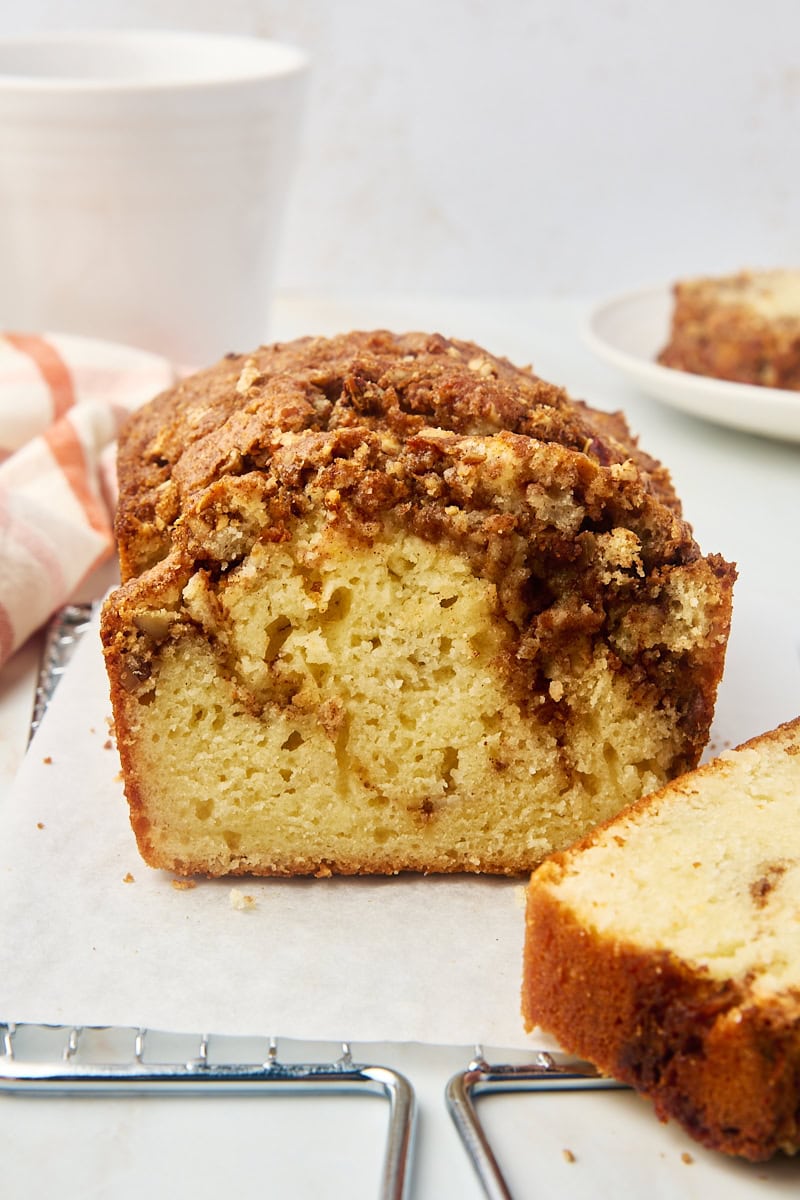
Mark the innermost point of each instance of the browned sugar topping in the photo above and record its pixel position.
(233, 417)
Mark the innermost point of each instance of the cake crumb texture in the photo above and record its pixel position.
(391, 603)
(665, 948)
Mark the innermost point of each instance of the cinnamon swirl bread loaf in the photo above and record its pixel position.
(390, 603)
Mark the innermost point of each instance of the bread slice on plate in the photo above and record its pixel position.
(744, 328)
(665, 948)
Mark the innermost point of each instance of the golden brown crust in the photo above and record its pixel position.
(726, 1070)
(717, 331)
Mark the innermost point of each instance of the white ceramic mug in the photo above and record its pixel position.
(143, 181)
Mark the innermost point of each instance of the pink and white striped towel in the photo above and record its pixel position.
(63, 400)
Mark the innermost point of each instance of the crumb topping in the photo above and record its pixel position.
(307, 398)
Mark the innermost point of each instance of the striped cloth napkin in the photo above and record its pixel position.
(63, 400)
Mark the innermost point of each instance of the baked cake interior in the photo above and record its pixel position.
(726, 898)
(367, 627)
(328, 729)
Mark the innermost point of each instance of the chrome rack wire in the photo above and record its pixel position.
(64, 631)
(548, 1072)
(68, 1070)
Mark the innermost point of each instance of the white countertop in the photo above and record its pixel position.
(741, 495)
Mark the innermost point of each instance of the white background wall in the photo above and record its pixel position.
(513, 147)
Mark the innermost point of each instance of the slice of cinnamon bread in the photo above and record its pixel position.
(744, 328)
(665, 948)
(391, 603)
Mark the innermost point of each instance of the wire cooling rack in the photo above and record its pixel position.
(72, 1060)
(62, 635)
(81, 1060)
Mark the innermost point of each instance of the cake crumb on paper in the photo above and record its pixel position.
(183, 885)
(128, 878)
(40, 824)
(240, 900)
(687, 1158)
(48, 760)
(568, 1156)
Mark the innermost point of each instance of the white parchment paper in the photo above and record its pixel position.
(435, 960)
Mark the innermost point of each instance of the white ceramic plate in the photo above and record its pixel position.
(628, 333)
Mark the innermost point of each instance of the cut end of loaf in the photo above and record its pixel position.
(354, 710)
(388, 645)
